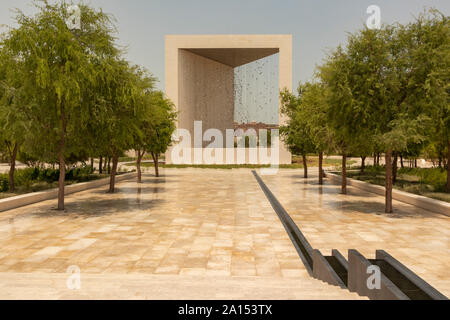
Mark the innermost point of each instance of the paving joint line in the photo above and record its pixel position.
(301, 244)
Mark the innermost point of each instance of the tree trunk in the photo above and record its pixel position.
(92, 164)
(448, 167)
(415, 163)
(109, 165)
(138, 165)
(112, 178)
(100, 165)
(344, 174)
(401, 161)
(62, 178)
(305, 166)
(394, 168)
(156, 163)
(363, 164)
(321, 168)
(62, 162)
(12, 168)
(388, 199)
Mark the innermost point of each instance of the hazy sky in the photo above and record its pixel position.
(316, 25)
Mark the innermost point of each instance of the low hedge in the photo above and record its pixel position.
(29, 176)
(434, 179)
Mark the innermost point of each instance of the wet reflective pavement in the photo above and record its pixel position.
(203, 234)
(182, 223)
(329, 220)
(190, 234)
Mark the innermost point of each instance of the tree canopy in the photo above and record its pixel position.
(67, 93)
(385, 91)
(156, 130)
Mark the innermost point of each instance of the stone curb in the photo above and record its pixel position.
(422, 202)
(30, 198)
(357, 280)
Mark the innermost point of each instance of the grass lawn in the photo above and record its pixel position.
(297, 164)
(426, 182)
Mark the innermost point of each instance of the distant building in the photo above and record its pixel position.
(257, 126)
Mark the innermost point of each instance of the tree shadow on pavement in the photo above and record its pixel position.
(91, 208)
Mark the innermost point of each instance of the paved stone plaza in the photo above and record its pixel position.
(206, 234)
(418, 238)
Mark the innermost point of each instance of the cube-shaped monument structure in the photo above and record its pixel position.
(200, 77)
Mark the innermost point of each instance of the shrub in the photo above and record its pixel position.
(4, 183)
(23, 177)
(30, 177)
(84, 173)
(375, 170)
(436, 177)
(48, 175)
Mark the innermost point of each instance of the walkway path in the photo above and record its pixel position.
(191, 234)
(418, 238)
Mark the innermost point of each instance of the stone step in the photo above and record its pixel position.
(140, 286)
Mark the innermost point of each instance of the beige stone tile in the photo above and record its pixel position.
(242, 272)
(214, 224)
(192, 272)
(168, 269)
(330, 220)
(80, 244)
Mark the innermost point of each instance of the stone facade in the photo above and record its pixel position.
(200, 76)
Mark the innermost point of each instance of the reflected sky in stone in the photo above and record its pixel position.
(256, 91)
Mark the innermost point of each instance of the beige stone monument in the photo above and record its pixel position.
(200, 76)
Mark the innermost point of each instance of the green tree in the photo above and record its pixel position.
(343, 114)
(315, 108)
(374, 74)
(59, 64)
(117, 126)
(427, 41)
(160, 127)
(13, 125)
(363, 147)
(296, 133)
(142, 136)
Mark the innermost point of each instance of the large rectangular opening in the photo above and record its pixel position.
(227, 89)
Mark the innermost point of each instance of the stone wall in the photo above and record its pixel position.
(206, 93)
